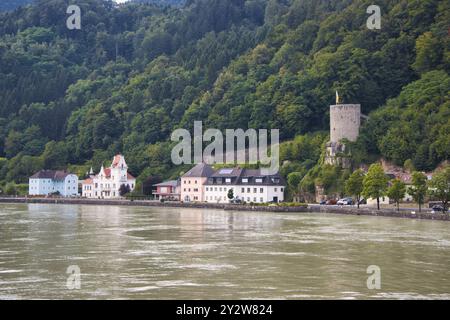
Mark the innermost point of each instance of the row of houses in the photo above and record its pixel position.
(200, 184)
(204, 184)
(106, 184)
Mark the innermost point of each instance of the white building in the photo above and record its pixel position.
(48, 182)
(106, 184)
(247, 185)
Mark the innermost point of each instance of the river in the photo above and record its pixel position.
(162, 253)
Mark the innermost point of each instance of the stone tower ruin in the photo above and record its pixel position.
(345, 122)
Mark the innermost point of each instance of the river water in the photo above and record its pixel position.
(162, 253)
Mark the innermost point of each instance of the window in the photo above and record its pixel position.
(276, 189)
(248, 190)
(255, 190)
(244, 180)
(243, 190)
(215, 189)
(206, 188)
(259, 180)
(220, 189)
(254, 199)
(261, 190)
(228, 180)
(261, 199)
(195, 181)
(282, 189)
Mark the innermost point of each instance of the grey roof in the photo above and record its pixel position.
(227, 173)
(51, 174)
(199, 171)
(250, 174)
(171, 183)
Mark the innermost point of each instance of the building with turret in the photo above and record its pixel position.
(107, 183)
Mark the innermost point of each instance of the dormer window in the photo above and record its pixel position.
(258, 180)
(244, 180)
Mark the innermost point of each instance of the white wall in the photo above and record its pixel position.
(252, 193)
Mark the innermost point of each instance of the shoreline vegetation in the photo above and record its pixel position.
(303, 208)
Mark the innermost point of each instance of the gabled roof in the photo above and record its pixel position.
(57, 175)
(199, 171)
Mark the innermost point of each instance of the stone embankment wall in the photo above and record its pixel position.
(311, 208)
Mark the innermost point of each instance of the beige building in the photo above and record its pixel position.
(192, 183)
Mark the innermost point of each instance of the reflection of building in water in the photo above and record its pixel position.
(206, 219)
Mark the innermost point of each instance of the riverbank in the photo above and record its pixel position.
(366, 211)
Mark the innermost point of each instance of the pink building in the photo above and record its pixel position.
(192, 183)
(168, 190)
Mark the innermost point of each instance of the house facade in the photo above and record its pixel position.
(192, 183)
(107, 183)
(168, 190)
(247, 185)
(48, 182)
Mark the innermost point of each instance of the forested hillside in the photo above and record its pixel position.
(133, 74)
(13, 4)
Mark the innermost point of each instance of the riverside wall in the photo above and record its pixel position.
(349, 210)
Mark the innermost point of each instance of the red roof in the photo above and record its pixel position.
(88, 181)
(116, 160)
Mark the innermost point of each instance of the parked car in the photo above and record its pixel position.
(438, 208)
(331, 202)
(345, 202)
(323, 202)
(236, 201)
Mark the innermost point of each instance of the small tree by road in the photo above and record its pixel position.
(230, 194)
(419, 188)
(375, 183)
(354, 185)
(440, 187)
(397, 192)
(124, 190)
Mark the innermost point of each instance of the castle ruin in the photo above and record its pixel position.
(345, 121)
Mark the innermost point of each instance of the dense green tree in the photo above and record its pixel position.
(397, 192)
(418, 189)
(440, 186)
(375, 183)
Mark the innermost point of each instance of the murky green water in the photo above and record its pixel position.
(149, 253)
